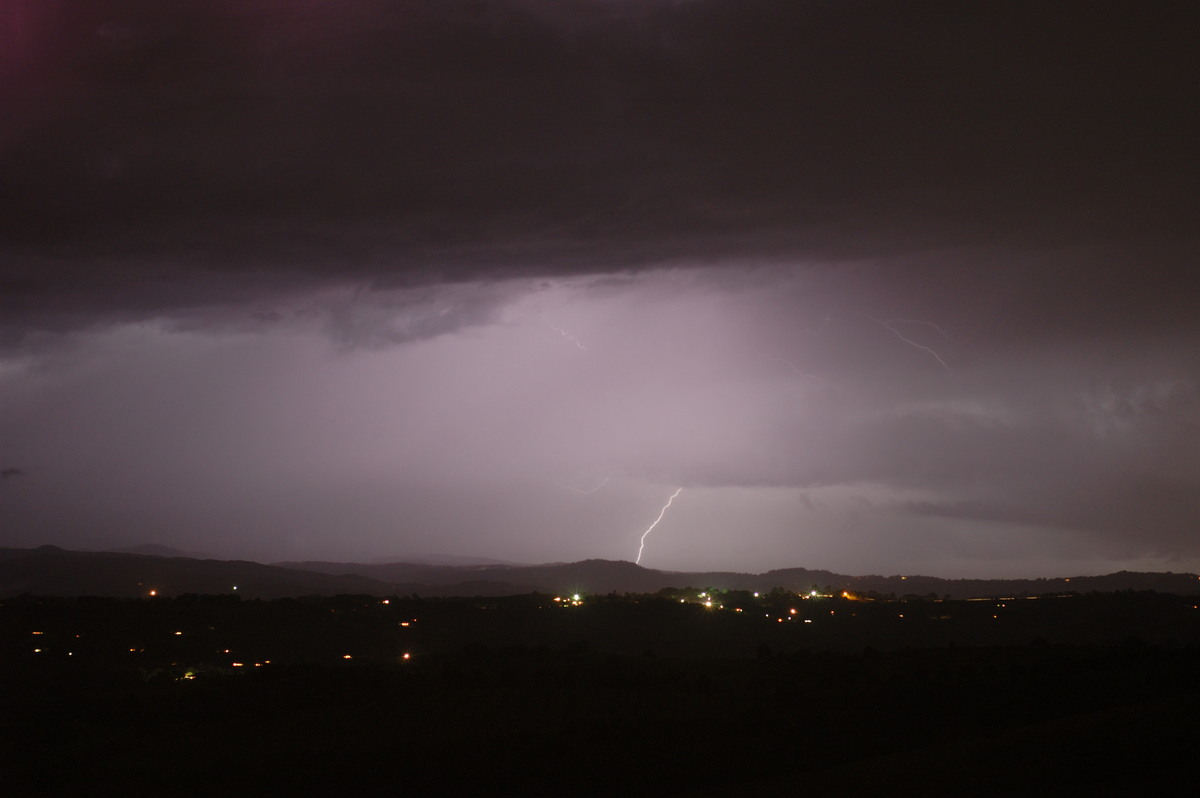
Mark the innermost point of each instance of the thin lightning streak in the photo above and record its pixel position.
(650, 528)
(566, 335)
(801, 373)
(581, 490)
(889, 325)
(796, 368)
(941, 332)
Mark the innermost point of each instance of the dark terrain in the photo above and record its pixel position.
(49, 570)
(686, 691)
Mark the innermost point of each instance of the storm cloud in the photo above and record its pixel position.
(881, 287)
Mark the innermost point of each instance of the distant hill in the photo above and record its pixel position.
(155, 550)
(605, 576)
(49, 570)
(52, 571)
(443, 559)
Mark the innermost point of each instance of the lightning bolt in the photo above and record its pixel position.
(603, 482)
(890, 324)
(815, 377)
(941, 331)
(796, 368)
(566, 335)
(650, 528)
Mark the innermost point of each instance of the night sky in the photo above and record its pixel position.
(881, 287)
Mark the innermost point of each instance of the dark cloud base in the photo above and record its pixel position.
(163, 155)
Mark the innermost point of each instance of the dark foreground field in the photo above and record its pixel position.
(1095, 695)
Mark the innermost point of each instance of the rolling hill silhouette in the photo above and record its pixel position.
(49, 570)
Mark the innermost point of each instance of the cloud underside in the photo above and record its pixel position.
(165, 157)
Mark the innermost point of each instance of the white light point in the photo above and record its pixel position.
(650, 528)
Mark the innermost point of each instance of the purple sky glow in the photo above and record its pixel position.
(881, 289)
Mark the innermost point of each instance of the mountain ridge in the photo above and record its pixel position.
(49, 570)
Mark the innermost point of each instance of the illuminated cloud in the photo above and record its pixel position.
(879, 288)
